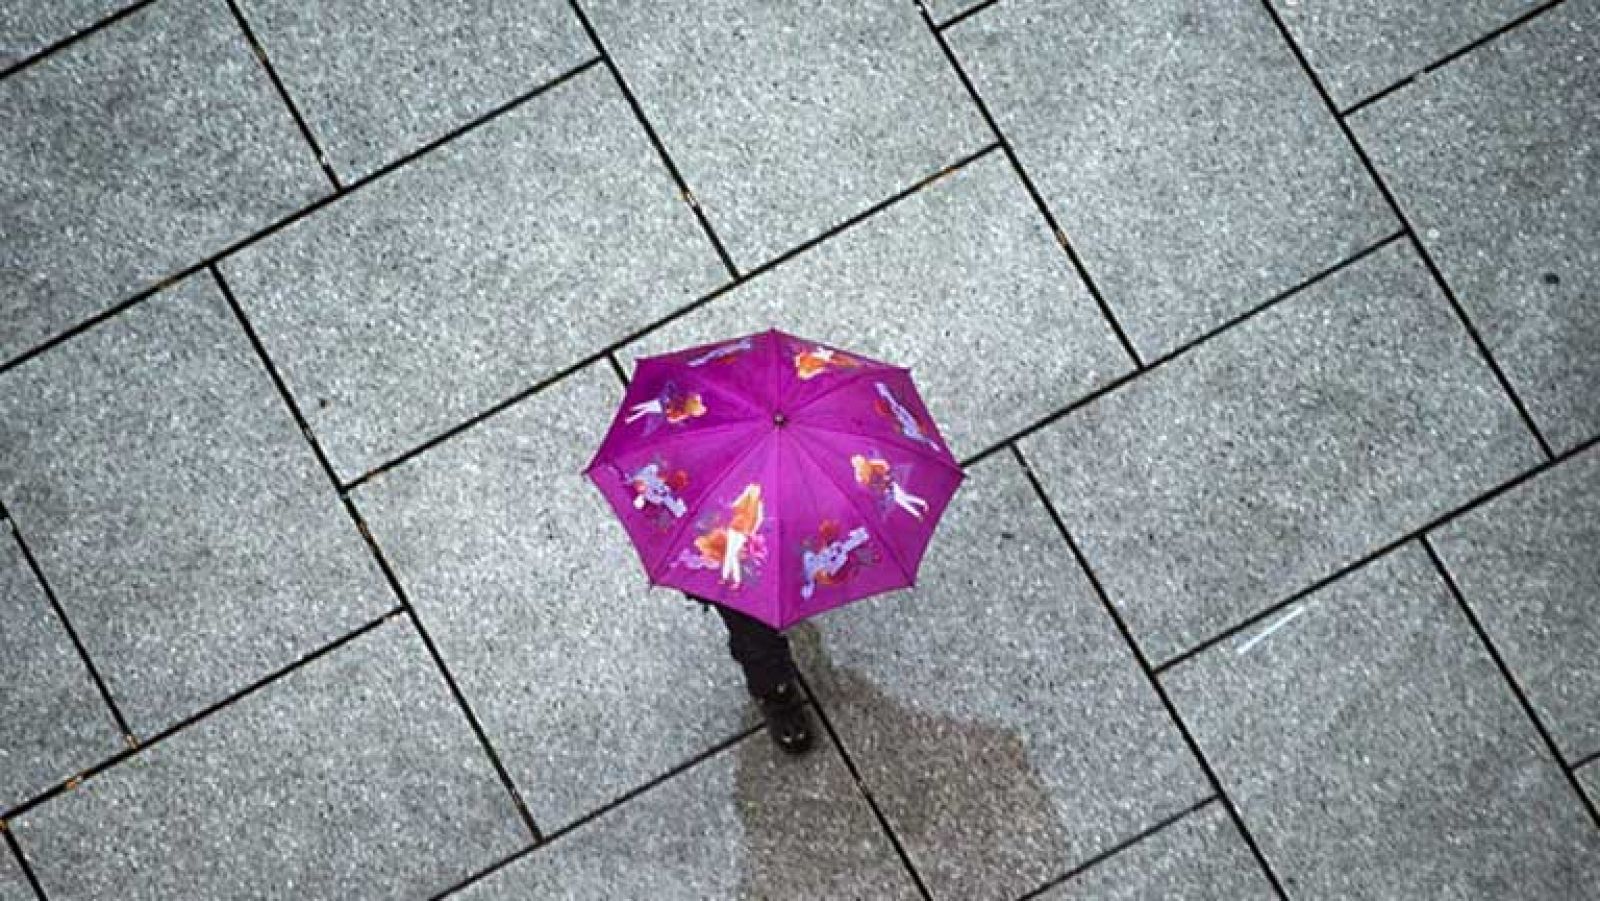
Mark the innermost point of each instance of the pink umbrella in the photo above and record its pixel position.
(775, 475)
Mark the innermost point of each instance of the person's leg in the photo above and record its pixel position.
(762, 651)
(770, 675)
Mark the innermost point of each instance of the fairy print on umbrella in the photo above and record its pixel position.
(731, 541)
(910, 425)
(723, 353)
(671, 405)
(657, 490)
(818, 360)
(887, 483)
(828, 559)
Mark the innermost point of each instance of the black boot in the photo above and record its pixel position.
(787, 720)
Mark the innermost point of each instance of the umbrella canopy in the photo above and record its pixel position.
(775, 475)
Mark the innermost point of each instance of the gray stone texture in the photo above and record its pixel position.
(1528, 562)
(355, 776)
(588, 683)
(29, 26)
(1374, 751)
(994, 711)
(376, 79)
(53, 722)
(1200, 856)
(1288, 447)
(1589, 777)
(747, 823)
(176, 509)
(13, 882)
(1495, 159)
(479, 270)
(1360, 47)
(132, 154)
(962, 282)
(1181, 149)
(788, 118)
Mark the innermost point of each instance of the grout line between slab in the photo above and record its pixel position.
(1114, 850)
(193, 718)
(1511, 680)
(1151, 674)
(1033, 191)
(616, 367)
(964, 15)
(22, 861)
(378, 556)
(1454, 55)
(1585, 761)
(655, 140)
(866, 793)
(677, 314)
(1419, 532)
(603, 809)
(178, 275)
(121, 721)
(260, 53)
(1410, 230)
(1178, 351)
(65, 42)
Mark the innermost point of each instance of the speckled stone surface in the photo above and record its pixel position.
(1182, 150)
(53, 722)
(356, 776)
(29, 27)
(588, 683)
(375, 79)
(994, 711)
(134, 153)
(1374, 751)
(175, 508)
(1200, 856)
(1589, 778)
(1495, 159)
(785, 118)
(1280, 451)
(1528, 562)
(962, 282)
(1360, 47)
(747, 823)
(481, 269)
(13, 882)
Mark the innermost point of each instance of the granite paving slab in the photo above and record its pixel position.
(994, 711)
(1589, 777)
(1200, 856)
(1182, 150)
(475, 272)
(53, 722)
(1277, 453)
(176, 509)
(588, 683)
(786, 119)
(13, 882)
(1495, 159)
(27, 28)
(354, 776)
(132, 154)
(376, 79)
(747, 823)
(962, 282)
(1374, 751)
(1528, 562)
(1360, 47)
